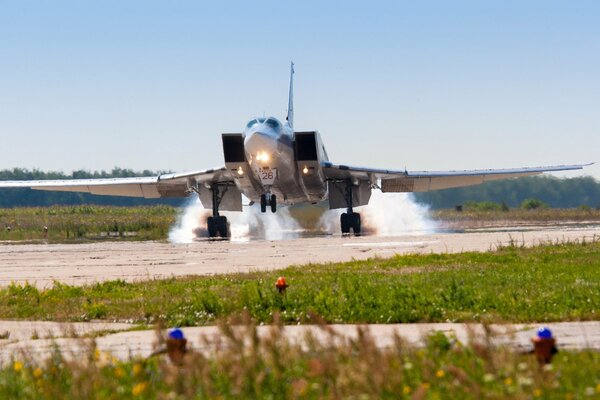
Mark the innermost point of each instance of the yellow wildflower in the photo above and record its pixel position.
(96, 354)
(119, 373)
(406, 390)
(508, 381)
(18, 366)
(139, 388)
(598, 388)
(425, 385)
(569, 396)
(137, 369)
(37, 373)
(537, 393)
(440, 373)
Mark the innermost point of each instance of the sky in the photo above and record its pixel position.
(428, 85)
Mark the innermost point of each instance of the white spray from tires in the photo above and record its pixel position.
(243, 226)
(388, 214)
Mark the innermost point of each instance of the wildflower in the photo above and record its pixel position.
(119, 373)
(406, 390)
(598, 388)
(137, 369)
(488, 377)
(537, 393)
(96, 354)
(522, 366)
(37, 373)
(548, 367)
(440, 373)
(589, 391)
(508, 381)
(18, 366)
(569, 396)
(139, 388)
(408, 366)
(425, 385)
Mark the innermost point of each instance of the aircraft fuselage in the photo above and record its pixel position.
(272, 167)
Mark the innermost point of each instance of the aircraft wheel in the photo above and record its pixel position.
(263, 203)
(273, 203)
(345, 223)
(223, 227)
(356, 227)
(212, 227)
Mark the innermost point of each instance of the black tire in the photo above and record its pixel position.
(345, 223)
(263, 203)
(211, 227)
(273, 203)
(356, 226)
(223, 227)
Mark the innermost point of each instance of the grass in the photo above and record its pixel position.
(545, 215)
(272, 367)
(545, 283)
(77, 223)
(84, 223)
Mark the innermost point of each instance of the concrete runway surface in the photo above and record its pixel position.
(78, 264)
(123, 345)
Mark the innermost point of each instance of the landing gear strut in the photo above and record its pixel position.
(268, 199)
(217, 225)
(350, 219)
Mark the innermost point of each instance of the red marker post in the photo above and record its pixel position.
(281, 284)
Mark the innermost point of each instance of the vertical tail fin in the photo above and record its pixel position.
(290, 113)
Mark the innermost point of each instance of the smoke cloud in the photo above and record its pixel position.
(250, 224)
(388, 214)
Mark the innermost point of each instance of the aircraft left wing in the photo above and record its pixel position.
(424, 181)
(151, 187)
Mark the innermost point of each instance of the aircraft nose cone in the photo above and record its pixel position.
(260, 146)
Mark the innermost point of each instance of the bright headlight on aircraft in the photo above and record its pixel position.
(240, 171)
(305, 170)
(262, 156)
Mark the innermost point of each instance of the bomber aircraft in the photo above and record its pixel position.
(271, 163)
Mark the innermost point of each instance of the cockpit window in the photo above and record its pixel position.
(273, 123)
(249, 125)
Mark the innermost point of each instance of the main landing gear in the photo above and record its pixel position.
(350, 219)
(268, 199)
(217, 225)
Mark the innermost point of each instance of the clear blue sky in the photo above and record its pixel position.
(426, 85)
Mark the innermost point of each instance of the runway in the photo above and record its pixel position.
(78, 264)
(71, 339)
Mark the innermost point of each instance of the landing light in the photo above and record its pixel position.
(240, 171)
(305, 170)
(262, 156)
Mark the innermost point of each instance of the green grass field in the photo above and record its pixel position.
(85, 223)
(79, 223)
(545, 283)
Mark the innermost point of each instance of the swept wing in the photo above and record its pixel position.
(151, 187)
(424, 181)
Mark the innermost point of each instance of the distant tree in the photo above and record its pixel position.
(532, 204)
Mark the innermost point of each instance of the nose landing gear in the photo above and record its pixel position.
(268, 199)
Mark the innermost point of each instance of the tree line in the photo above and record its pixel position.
(555, 192)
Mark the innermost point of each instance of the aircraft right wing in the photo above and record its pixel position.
(424, 181)
(151, 187)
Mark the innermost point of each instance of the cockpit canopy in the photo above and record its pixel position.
(270, 122)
